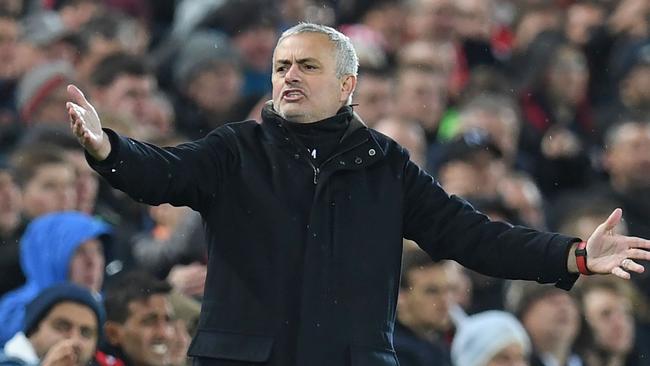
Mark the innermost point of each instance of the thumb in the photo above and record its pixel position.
(613, 219)
(78, 96)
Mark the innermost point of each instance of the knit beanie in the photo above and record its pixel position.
(38, 309)
(38, 83)
(481, 336)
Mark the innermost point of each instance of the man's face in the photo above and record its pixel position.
(628, 159)
(67, 321)
(429, 297)
(609, 316)
(10, 202)
(421, 96)
(374, 98)
(52, 188)
(305, 86)
(87, 265)
(147, 334)
(552, 319)
(128, 94)
(511, 355)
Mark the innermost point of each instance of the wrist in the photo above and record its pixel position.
(581, 258)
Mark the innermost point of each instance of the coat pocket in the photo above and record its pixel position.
(231, 346)
(366, 356)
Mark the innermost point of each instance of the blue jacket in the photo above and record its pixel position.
(46, 249)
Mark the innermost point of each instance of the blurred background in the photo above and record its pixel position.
(535, 111)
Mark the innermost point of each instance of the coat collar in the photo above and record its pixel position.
(356, 133)
(21, 348)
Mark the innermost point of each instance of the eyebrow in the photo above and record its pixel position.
(299, 61)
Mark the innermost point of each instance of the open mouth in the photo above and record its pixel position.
(292, 95)
(159, 349)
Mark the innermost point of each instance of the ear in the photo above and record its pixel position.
(113, 332)
(347, 87)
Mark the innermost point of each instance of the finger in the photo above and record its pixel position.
(632, 266)
(634, 242)
(638, 254)
(618, 272)
(613, 219)
(78, 96)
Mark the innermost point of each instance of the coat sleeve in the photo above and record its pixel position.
(189, 174)
(447, 227)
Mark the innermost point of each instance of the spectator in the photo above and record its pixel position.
(62, 327)
(491, 338)
(552, 319)
(39, 93)
(46, 179)
(471, 165)
(55, 248)
(559, 130)
(374, 95)
(609, 335)
(209, 79)
(408, 134)
(124, 84)
(174, 249)
(424, 325)
(139, 327)
(627, 160)
(11, 228)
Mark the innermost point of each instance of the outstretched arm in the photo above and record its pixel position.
(610, 253)
(86, 126)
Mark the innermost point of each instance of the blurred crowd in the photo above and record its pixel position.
(535, 111)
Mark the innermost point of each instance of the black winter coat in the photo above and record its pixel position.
(304, 261)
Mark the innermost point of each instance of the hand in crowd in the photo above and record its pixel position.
(65, 353)
(608, 252)
(86, 126)
(560, 143)
(188, 279)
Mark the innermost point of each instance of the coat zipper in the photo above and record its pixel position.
(317, 169)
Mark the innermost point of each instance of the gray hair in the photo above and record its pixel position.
(347, 62)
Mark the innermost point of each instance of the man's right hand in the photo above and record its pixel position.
(86, 126)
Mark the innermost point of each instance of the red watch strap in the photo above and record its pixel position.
(581, 258)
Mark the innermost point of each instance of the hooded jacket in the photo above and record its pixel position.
(304, 260)
(46, 249)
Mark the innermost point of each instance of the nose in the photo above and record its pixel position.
(293, 74)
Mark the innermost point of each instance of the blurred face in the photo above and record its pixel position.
(628, 159)
(52, 188)
(67, 321)
(128, 94)
(305, 86)
(609, 316)
(374, 97)
(552, 319)
(10, 203)
(52, 108)
(87, 265)
(421, 96)
(87, 182)
(256, 46)
(568, 76)
(433, 19)
(8, 48)
(428, 299)
(147, 335)
(511, 355)
(580, 20)
(502, 128)
(634, 88)
(474, 18)
(217, 89)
